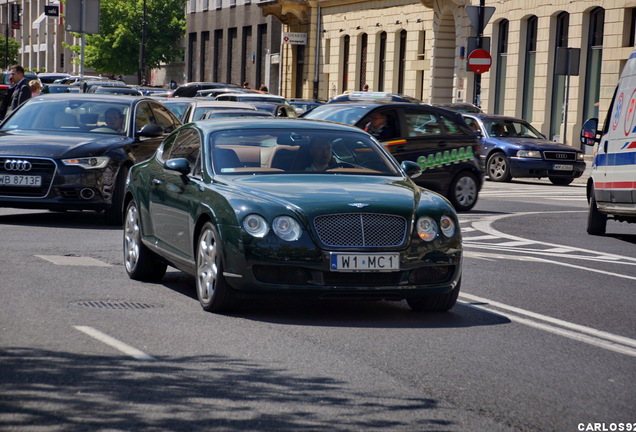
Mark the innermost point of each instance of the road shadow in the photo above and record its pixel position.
(308, 311)
(55, 390)
(51, 219)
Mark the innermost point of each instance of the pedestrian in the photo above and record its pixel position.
(21, 90)
(246, 85)
(263, 88)
(365, 88)
(36, 87)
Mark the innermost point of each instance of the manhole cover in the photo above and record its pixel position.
(115, 304)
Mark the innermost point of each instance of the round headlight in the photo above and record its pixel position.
(255, 225)
(286, 228)
(426, 228)
(447, 226)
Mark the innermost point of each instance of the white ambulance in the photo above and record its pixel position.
(611, 188)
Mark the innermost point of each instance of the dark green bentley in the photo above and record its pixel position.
(270, 206)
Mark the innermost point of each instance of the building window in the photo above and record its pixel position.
(630, 31)
(192, 43)
(362, 67)
(300, 70)
(502, 63)
(530, 68)
(219, 4)
(218, 55)
(345, 62)
(593, 67)
(193, 6)
(205, 47)
(232, 3)
(206, 4)
(401, 61)
(558, 81)
(381, 61)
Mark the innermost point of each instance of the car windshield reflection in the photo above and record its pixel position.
(74, 116)
(311, 152)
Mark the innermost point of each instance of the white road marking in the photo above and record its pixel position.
(567, 329)
(117, 344)
(73, 260)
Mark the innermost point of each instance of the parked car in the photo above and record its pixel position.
(276, 109)
(240, 205)
(4, 85)
(176, 105)
(197, 109)
(50, 77)
(115, 90)
(212, 93)
(73, 151)
(437, 139)
(512, 147)
(223, 113)
(302, 105)
(255, 98)
(358, 96)
(55, 88)
(611, 187)
(190, 89)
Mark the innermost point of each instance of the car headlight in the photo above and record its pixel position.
(580, 156)
(286, 228)
(426, 228)
(529, 153)
(447, 226)
(94, 162)
(255, 225)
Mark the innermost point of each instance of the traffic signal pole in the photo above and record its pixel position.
(480, 35)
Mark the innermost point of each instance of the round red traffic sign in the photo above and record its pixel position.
(479, 61)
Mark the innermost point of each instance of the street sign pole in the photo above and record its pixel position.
(480, 34)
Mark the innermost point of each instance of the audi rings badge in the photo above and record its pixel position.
(17, 165)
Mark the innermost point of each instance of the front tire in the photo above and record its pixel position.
(498, 167)
(140, 262)
(212, 289)
(435, 303)
(596, 221)
(114, 214)
(463, 191)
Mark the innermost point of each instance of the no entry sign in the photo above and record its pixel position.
(479, 61)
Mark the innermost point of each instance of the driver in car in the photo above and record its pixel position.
(114, 119)
(321, 154)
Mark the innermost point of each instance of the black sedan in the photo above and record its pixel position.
(73, 151)
(512, 147)
(289, 206)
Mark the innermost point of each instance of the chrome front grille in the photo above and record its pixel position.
(559, 156)
(361, 230)
(44, 168)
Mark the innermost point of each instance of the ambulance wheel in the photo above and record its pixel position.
(596, 221)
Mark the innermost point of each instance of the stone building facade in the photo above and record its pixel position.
(419, 48)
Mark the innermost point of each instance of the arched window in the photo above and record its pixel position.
(593, 66)
(502, 63)
(530, 68)
(401, 61)
(558, 81)
(364, 40)
(345, 62)
(381, 60)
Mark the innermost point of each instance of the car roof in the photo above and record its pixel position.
(493, 117)
(104, 97)
(285, 123)
(199, 102)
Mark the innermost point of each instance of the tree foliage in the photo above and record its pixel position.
(116, 49)
(14, 47)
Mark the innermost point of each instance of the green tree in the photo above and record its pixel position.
(14, 46)
(116, 49)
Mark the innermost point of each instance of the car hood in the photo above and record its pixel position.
(532, 144)
(314, 194)
(57, 144)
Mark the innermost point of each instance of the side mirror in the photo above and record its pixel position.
(150, 130)
(411, 169)
(589, 132)
(181, 165)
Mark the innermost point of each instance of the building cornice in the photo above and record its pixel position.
(287, 11)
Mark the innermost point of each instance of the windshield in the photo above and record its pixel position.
(511, 129)
(70, 116)
(341, 113)
(307, 151)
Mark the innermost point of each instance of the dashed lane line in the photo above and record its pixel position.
(114, 343)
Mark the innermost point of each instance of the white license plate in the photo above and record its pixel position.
(364, 262)
(558, 167)
(20, 180)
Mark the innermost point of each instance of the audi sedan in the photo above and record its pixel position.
(289, 206)
(512, 147)
(73, 151)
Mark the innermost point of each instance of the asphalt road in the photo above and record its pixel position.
(542, 339)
